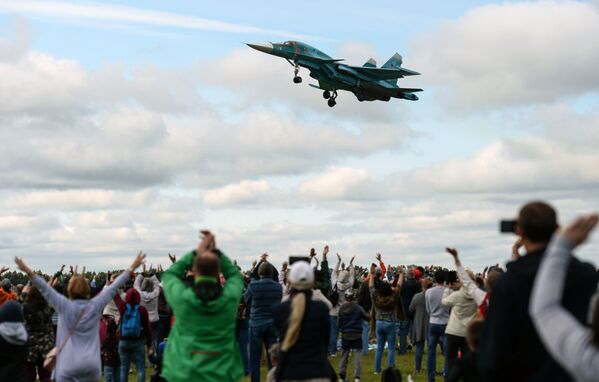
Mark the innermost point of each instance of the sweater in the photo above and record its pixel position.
(463, 311)
(438, 313)
(149, 300)
(79, 359)
(202, 345)
(262, 295)
(350, 318)
(566, 338)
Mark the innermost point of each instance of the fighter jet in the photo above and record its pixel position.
(367, 82)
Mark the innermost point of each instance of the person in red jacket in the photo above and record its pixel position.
(6, 292)
(131, 345)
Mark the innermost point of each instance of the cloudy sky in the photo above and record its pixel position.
(130, 125)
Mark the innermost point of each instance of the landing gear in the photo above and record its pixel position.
(331, 102)
(326, 94)
(296, 79)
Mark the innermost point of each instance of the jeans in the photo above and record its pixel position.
(386, 331)
(155, 327)
(404, 330)
(365, 335)
(39, 369)
(334, 335)
(111, 374)
(453, 345)
(436, 334)
(132, 350)
(263, 334)
(243, 336)
(419, 352)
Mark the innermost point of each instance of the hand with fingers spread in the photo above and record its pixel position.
(378, 257)
(578, 231)
(23, 267)
(207, 244)
(312, 252)
(3, 269)
(338, 258)
(172, 258)
(139, 260)
(351, 261)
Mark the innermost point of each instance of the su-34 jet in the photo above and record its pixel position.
(367, 82)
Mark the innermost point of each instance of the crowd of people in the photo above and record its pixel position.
(204, 319)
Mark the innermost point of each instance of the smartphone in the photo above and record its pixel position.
(293, 259)
(507, 226)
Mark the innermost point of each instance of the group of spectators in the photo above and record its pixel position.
(203, 319)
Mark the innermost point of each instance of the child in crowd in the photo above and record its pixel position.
(350, 320)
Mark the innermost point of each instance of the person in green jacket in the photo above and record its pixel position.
(202, 345)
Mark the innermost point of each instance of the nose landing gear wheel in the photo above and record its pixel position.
(297, 79)
(326, 94)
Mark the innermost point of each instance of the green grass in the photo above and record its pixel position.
(404, 362)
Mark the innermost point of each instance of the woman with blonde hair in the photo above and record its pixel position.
(305, 331)
(77, 337)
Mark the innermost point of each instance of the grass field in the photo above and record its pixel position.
(404, 362)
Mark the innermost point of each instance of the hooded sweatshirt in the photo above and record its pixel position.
(7, 296)
(202, 344)
(79, 359)
(149, 300)
(13, 343)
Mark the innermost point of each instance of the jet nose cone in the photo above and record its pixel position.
(266, 48)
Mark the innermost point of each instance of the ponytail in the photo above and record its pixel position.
(298, 308)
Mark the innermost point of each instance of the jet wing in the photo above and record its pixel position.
(381, 73)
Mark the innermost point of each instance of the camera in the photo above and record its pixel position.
(508, 226)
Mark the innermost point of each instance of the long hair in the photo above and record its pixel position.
(34, 297)
(298, 308)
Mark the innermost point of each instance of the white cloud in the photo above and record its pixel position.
(512, 54)
(336, 183)
(133, 15)
(239, 193)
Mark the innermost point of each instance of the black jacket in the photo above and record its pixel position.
(408, 290)
(510, 348)
(350, 318)
(308, 357)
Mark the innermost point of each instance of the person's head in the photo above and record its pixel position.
(20, 288)
(35, 297)
(427, 283)
(537, 221)
(492, 279)
(11, 311)
(439, 277)
(78, 288)
(343, 276)
(265, 270)
(372, 267)
(350, 295)
(206, 264)
(301, 279)
(147, 285)
(132, 297)
(378, 272)
(411, 275)
(384, 290)
(473, 334)
(391, 374)
(6, 285)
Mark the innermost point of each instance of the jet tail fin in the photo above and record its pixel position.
(393, 63)
(371, 63)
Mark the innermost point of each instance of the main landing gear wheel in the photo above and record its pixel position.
(296, 79)
(332, 102)
(326, 94)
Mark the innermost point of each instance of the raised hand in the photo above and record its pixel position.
(139, 260)
(23, 267)
(71, 269)
(264, 256)
(3, 269)
(454, 252)
(378, 257)
(312, 252)
(172, 258)
(516, 248)
(325, 251)
(351, 261)
(208, 242)
(578, 231)
(61, 268)
(338, 257)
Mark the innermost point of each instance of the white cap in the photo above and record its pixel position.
(301, 275)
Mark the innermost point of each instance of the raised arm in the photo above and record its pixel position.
(58, 301)
(381, 264)
(137, 283)
(352, 271)
(565, 338)
(470, 285)
(104, 297)
(335, 275)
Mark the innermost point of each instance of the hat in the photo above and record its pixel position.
(301, 275)
(6, 283)
(11, 312)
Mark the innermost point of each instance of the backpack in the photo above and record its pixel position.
(131, 322)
